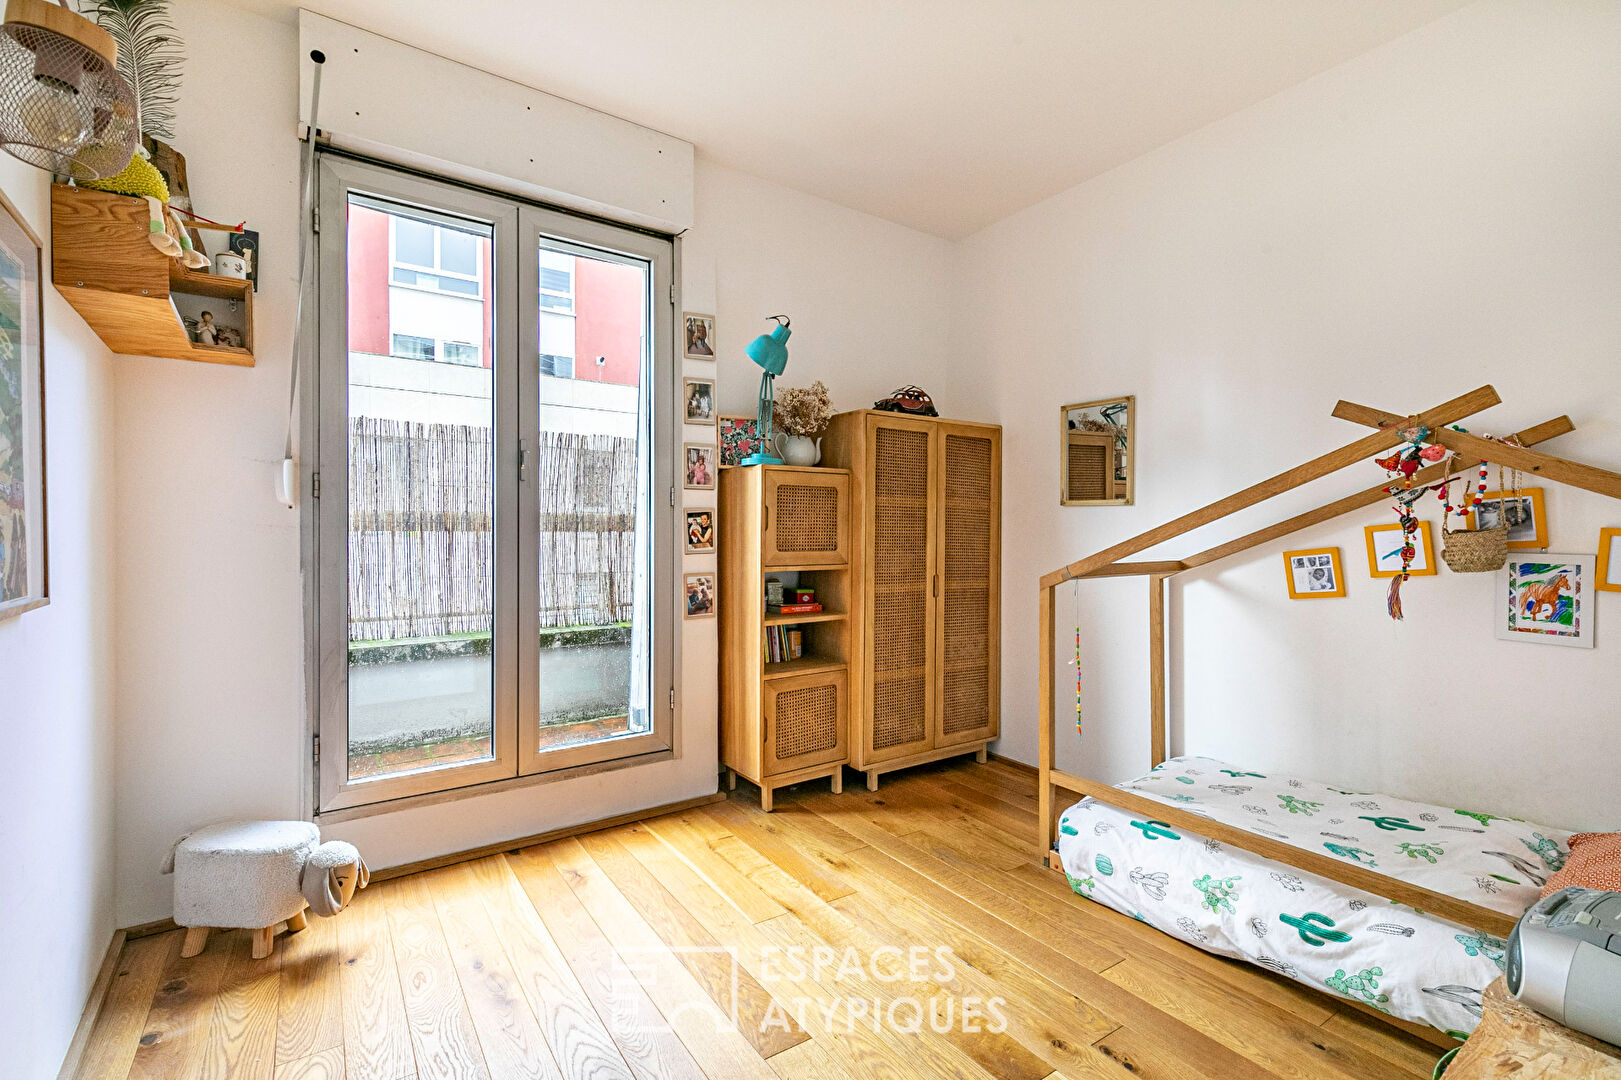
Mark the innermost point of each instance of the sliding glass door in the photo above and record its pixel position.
(495, 571)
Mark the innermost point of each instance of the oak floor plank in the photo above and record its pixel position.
(1037, 943)
(766, 836)
(242, 1027)
(1397, 1047)
(327, 1065)
(821, 1004)
(729, 985)
(310, 998)
(689, 835)
(508, 1033)
(1287, 1047)
(647, 1045)
(443, 1038)
(1020, 793)
(709, 1033)
(579, 1042)
(376, 1031)
(113, 1041)
(175, 1036)
(807, 1061)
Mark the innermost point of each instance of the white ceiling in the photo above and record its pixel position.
(945, 115)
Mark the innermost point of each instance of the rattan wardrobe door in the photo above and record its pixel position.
(804, 721)
(970, 592)
(806, 518)
(900, 611)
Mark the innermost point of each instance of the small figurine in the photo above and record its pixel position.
(207, 332)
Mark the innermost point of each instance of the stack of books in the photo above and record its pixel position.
(793, 609)
(783, 643)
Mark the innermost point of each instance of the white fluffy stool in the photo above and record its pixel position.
(252, 875)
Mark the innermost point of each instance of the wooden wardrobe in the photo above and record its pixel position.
(925, 572)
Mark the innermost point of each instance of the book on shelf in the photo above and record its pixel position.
(793, 609)
(783, 643)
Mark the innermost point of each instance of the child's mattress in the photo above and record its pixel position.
(1327, 935)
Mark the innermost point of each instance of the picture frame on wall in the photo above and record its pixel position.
(24, 563)
(1314, 573)
(698, 592)
(1547, 599)
(1527, 517)
(1609, 570)
(699, 466)
(697, 336)
(698, 400)
(1384, 551)
(739, 437)
(1097, 455)
(700, 531)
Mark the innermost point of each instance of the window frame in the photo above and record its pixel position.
(516, 229)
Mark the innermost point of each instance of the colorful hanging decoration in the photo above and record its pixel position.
(1077, 661)
(1405, 463)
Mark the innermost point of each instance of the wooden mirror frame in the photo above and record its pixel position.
(1130, 401)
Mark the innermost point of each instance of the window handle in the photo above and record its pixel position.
(523, 460)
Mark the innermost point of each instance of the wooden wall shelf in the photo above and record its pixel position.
(103, 264)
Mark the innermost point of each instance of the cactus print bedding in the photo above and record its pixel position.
(1347, 942)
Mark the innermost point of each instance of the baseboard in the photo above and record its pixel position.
(92, 1007)
(545, 838)
(1014, 763)
(147, 929)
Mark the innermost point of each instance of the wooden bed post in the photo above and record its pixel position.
(1045, 723)
(1156, 670)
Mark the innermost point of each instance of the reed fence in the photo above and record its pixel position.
(421, 506)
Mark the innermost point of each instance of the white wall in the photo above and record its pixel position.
(210, 706)
(56, 701)
(1437, 214)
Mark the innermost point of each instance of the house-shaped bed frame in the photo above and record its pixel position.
(1470, 451)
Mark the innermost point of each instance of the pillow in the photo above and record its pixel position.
(1594, 863)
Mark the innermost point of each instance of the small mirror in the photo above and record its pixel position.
(1095, 463)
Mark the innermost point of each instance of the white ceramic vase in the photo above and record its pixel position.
(798, 449)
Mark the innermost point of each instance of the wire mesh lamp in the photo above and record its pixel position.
(63, 106)
(770, 352)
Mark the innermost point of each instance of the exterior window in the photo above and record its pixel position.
(411, 347)
(495, 589)
(460, 352)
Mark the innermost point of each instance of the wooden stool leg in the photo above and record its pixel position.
(765, 798)
(838, 781)
(263, 939)
(982, 754)
(196, 938)
(872, 779)
(297, 922)
(731, 780)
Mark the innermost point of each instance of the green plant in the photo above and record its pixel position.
(150, 53)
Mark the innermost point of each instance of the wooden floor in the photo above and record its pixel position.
(552, 962)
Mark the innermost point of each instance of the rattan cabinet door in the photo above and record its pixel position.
(806, 518)
(899, 589)
(970, 589)
(805, 721)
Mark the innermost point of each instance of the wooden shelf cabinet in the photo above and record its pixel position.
(784, 722)
(103, 264)
(925, 625)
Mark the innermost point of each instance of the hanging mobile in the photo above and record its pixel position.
(1077, 661)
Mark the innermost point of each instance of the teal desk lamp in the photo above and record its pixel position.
(771, 353)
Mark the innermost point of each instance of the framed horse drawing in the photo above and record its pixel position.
(1547, 599)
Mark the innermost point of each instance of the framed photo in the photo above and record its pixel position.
(1609, 571)
(700, 466)
(698, 336)
(1527, 520)
(1314, 573)
(700, 530)
(700, 596)
(24, 581)
(699, 398)
(1547, 599)
(739, 437)
(1384, 551)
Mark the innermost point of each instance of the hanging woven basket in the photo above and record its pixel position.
(1482, 551)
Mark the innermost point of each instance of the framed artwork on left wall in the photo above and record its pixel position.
(24, 580)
